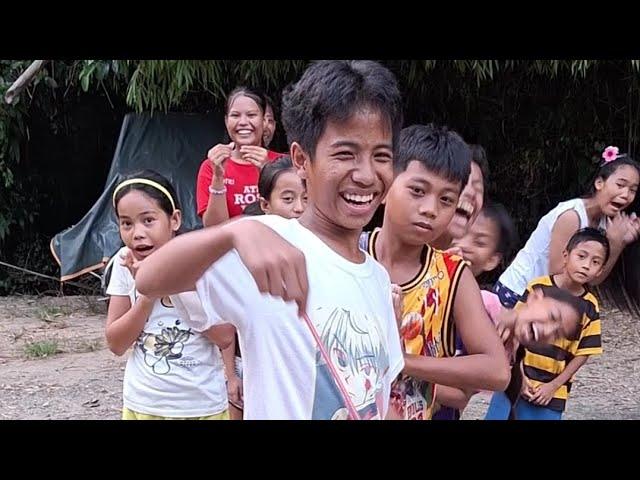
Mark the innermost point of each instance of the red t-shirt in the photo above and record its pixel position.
(241, 182)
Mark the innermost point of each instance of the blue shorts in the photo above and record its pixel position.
(500, 407)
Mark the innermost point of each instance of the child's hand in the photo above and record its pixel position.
(396, 297)
(454, 251)
(234, 391)
(218, 154)
(127, 259)
(254, 154)
(277, 267)
(633, 229)
(527, 390)
(623, 229)
(543, 394)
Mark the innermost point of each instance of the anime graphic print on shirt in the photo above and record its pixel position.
(355, 346)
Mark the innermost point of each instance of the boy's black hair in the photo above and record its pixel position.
(438, 149)
(589, 234)
(333, 90)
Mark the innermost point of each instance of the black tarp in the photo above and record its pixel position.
(172, 144)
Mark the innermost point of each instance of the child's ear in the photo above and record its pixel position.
(176, 220)
(300, 160)
(264, 205)
(493, 262)
(599, 183)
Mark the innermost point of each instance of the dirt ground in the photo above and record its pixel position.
(54, 364)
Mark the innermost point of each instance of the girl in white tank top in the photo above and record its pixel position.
(613, 190)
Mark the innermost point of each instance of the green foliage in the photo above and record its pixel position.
(543, 122)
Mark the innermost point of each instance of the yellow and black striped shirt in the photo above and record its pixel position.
(544, 363)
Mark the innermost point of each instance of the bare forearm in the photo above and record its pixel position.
(229, 359)
(616, 250)
(176, 266)
(469, 372)
(572, 367)
(452, 397)
(122, 332)
(217, 210)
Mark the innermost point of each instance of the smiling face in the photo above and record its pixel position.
(469, 205)
(541, 320)
(480, 245)
(244, 121)
(350, 172)
(269, 126)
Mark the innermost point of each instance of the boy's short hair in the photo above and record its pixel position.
(589, 234)
(333, 90)
(438, 149)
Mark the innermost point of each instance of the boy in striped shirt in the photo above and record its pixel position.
(549, 369)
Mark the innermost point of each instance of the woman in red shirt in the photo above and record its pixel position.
(228, 177)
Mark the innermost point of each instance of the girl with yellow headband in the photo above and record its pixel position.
(175, 370)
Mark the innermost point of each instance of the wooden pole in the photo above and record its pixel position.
(23, 81)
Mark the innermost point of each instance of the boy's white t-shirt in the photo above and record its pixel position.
(350, 305)
(173, 370)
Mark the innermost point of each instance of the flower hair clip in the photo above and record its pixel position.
(611, 153)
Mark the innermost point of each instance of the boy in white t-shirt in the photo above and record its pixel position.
(335, 354)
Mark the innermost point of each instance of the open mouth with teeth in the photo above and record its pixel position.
(618, 205)
(465, 209)
(359, 201)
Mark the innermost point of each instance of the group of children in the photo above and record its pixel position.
(336, 323)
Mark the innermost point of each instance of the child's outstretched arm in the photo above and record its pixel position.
(125, 322)
(277, 266)
(486, 366)
(544, 393)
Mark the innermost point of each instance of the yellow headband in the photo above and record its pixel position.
(143, 181)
